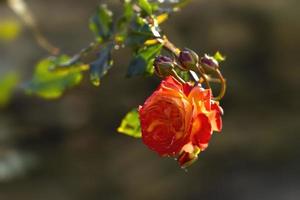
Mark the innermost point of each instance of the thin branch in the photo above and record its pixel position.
(223, 86)
(21, 9)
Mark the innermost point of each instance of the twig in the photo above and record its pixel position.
(223, 86)
(22, 10)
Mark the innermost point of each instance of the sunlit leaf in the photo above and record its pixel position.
(142, 62)
(162, 18)
(9, 30)
(51, 84)
(151, 42)
(219, 57)
(7, 85)
(146, 6)
(130, 125)
(100, 66)
(101, 23)
(149, 52)
(180, 4)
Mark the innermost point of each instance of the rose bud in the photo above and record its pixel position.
(163, 66)
(188, 60)
(209, 62)
(188, 156)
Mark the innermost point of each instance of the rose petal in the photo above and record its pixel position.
(215, 117)
(202, 98)
(201, 131)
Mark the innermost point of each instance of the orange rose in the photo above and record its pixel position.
(178, 120)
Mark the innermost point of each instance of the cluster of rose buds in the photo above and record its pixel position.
(179, 118)
(187, 60)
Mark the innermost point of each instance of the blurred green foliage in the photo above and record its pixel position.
(7, 85)
(146, 6)
(9, 30)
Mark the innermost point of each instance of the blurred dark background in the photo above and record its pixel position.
(69, 149)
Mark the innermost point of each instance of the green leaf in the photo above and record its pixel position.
(50, 84)
(142, 63)
(102, 23)
(100, 66)
(128, 11)
(162, 18)
(130, 125)
(149, 52)
(139, 32)
(155, 6)
(180, 4)
(7, 85)
(9, 30)
(183, 74)
(146, 6)
(219, 57)
(137, 66)
(123, 23)
(135, 39)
